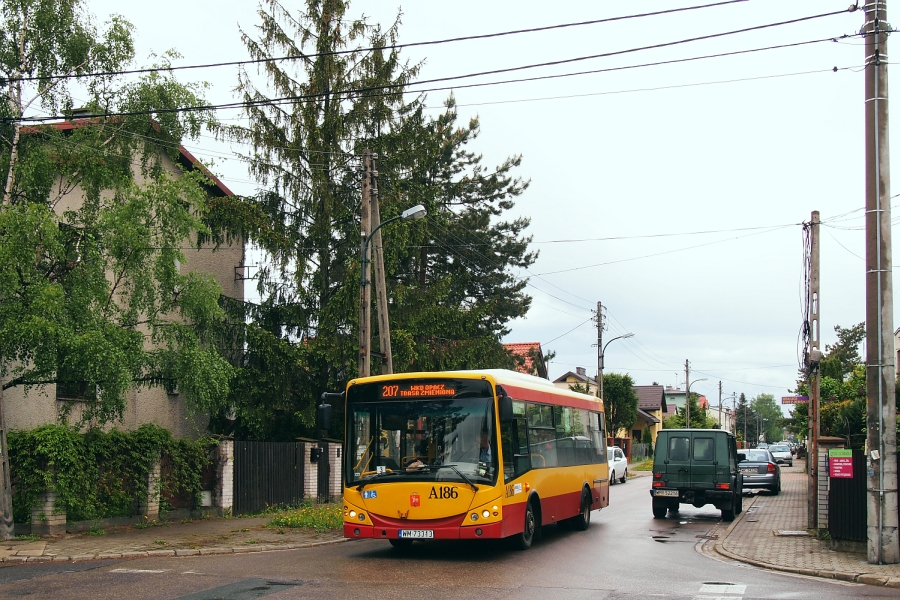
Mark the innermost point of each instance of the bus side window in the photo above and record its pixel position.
(598, 438)
(516, 459)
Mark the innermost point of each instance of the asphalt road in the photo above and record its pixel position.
(624, 554)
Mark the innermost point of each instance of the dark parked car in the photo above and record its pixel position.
(759, 470)
(698, 467)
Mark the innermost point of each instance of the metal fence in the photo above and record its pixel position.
(640, 452)
(267, 474)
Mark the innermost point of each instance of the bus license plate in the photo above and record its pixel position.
(416, 533)
(672, 493)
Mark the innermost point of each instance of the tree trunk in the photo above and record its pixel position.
(6, 505)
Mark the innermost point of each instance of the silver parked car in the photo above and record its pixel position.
(759, 470)
(782, 454)
(618, 465)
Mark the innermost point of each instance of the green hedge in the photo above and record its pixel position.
(100, 474)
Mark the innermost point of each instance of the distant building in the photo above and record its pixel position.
(652, 411)
(579, 377)
(532, 358)
(675, 395)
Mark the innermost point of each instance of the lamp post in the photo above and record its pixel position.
(603, 354)
(416, 212)
(687, 403)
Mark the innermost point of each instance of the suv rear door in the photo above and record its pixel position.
(678, 463)
(703, 463)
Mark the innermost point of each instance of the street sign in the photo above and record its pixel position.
(794, 399)
(840, 463)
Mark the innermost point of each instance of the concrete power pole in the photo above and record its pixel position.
(365, 290)
(812, 456)
(381, 303)
(881, 439)
(599, 350)
(687, 394)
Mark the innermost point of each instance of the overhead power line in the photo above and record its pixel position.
(387, 47)
(404, 87)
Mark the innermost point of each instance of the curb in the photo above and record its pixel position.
(867, 578)
(159, 553)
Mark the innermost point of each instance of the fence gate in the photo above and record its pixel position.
(267, 474)
(847, 503)
(323, 491)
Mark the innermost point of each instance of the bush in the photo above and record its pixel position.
(98, 474)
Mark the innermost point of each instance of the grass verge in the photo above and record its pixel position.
(644, 465)
(321, 517)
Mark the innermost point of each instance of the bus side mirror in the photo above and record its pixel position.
(506, 409)
(323, 417)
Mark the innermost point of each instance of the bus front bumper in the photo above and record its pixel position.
(455, 532)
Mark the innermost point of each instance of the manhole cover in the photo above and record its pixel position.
(791, 533)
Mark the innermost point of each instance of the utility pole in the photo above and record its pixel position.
(381, 303)
(881, 426)
(365, 291)
(814, 356)
(720, 404)
(599, 350)
(687, 394)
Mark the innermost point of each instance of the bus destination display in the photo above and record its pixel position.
(416, 390)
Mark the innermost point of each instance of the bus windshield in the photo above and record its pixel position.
(422, 439)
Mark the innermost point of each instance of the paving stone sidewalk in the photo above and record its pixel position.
(754, 539)
(174, 538)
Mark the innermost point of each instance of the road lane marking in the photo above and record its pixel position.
(723, 588)
(140, 570)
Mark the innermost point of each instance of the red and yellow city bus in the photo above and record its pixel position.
(470, 455)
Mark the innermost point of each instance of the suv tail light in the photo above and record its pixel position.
(771, 468)
(657, 476)
(723, 486)
(658, 484)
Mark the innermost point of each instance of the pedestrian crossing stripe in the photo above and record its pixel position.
(723, 589)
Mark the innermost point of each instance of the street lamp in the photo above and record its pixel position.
(603, 354)
(416, 212)
(687, 403)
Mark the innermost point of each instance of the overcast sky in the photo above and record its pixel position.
(706, 168)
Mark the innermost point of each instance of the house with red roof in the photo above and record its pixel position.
(530, 357)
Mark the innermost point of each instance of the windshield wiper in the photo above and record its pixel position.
(363, 484)
(458, 472)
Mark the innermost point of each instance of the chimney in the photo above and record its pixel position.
(581, 371)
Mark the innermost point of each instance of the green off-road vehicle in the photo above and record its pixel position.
(698, 467)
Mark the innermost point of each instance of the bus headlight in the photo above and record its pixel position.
(352, 514)
(486, 514)
(362, 516)
(474, 516)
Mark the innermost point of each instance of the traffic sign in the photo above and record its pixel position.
(794, 399)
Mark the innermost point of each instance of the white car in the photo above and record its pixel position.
(618, 464)
(782, 454)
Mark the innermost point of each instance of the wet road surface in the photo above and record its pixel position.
(624, 554)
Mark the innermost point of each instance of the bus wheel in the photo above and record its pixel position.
(583, 520)
(524, 539)
(400, 544)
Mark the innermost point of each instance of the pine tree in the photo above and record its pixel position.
(450, 293)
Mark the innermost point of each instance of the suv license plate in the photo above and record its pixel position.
(416, 533)
(672, 493)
